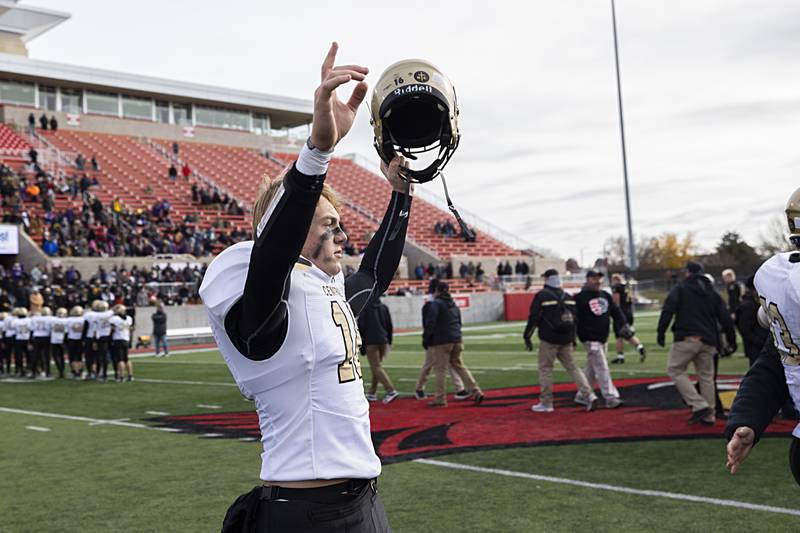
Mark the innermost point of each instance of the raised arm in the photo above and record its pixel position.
(383, 252)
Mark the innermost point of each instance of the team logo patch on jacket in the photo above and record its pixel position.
(599, 306)
(406, 429)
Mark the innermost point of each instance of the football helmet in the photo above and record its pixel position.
(76, 311)
(46, 311)
(414, 110)
(119, 309)
(21, 312)
(61, 312)
(793, 217)
(3, 315)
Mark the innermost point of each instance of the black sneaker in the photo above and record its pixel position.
(478, 398)
(703, 416)
(419, 394)
(620, 360)
(642, 353)
(462, 395)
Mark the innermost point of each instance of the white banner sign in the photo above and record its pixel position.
(9, 239)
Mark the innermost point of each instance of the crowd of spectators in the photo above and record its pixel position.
(448, 229)
(207, 195)
(55, 286)
(44, 123)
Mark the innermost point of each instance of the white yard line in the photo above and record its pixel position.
(37, 428)
(156, 413)
(207, 406)
(90, 421)
(613, 488)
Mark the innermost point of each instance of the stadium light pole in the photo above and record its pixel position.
(632, 265)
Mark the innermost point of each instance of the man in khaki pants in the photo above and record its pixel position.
(697, 308)
(442, 334)
(427, 366)
(553, 313)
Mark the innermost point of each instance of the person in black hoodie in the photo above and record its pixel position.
(375, 326)
(753, 335)
(160, 329)
(697, 308)
(442, 333)
(553, 312)
(596, 308)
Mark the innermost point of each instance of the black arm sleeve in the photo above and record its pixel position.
(533, 317)
(617, 315)
(762, 393)
(380, 259)
(257, 323)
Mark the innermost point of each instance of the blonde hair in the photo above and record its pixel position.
(729, 272)
(269, 188)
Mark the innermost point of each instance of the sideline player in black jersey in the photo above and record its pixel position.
(621, 294)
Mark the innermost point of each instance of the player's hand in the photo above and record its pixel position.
(392, 173)
(661, 340)
(739, 447)
(332, 117)
(528, 344)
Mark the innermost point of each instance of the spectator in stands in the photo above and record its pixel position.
(53, 123)
(175, 149)
(172, 172)
(437, 228)
(32, 124)
(80, 162)
(43, 122)
(479, 273)
(186, 171)
(33, 155)
(94, 163)
(449, 229)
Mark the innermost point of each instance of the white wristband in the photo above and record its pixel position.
(313, 162)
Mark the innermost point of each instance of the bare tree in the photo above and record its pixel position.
(775, 238)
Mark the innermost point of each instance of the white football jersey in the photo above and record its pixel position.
(778, 285)
(58, 328)
(75, 326)
(40, 325)
(22, 327)
(103, 323)
(91, 319)
(8, 326)
(122, 328)
(309, 396)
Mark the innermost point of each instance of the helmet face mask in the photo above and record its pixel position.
(414, 111)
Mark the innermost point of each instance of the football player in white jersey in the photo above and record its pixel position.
(9, 334)
(102, 337)
(121, 325)
(284, 318)
(775, 376)
(58, 329)
(5, 354)
(22, 337)
(77, 327)
(40, 328)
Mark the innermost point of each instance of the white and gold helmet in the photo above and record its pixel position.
(793, 217)
(3, 315)
(76, 311)
(46, 311)
(119, 309)
(61, 312)
(414, 110)
(21, 312)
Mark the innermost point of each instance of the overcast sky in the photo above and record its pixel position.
(711, 94)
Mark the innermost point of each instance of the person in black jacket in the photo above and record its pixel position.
(160, 329)
(696, 308)
(621, 294)
(375, 326)
(442, 333)
(753, 335)
(734, 289)
(595, 309)
(553, 312)
(427, 366)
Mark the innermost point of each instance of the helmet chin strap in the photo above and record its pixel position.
(465, 230)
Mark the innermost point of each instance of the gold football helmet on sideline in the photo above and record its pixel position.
(61, 312)
(414, 110)
(46, 311)
(21, 312)
(793, 217)
(76, 311)
(119, 309)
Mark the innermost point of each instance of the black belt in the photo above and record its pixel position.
(349, 488)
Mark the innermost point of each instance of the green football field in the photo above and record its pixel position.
(85, 456)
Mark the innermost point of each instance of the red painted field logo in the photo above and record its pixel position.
(407, 429)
